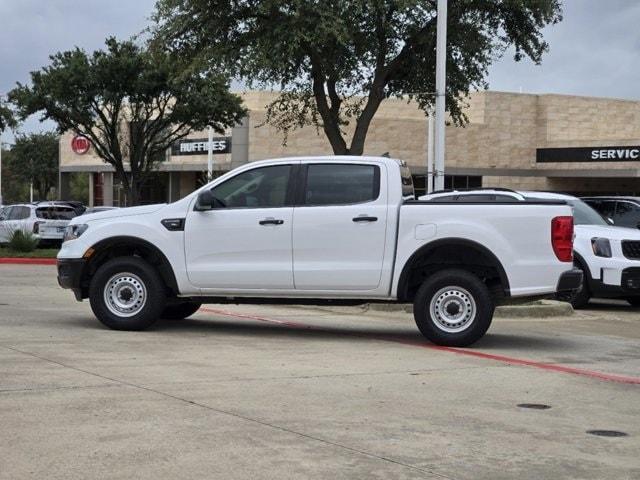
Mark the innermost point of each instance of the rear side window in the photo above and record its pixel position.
(341, 184)
(19, 213)
(55, 213)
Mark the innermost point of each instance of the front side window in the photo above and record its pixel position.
(627, 215)
(341, 184)
(606, 208)
(264, 187)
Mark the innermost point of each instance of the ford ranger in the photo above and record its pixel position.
(319, 229)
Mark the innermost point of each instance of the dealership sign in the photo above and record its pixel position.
(199, 146)
(80, 144)
(588, 154)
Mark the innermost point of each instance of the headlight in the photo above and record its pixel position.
(74, 231)
(601, 247)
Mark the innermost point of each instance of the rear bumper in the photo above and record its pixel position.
(70, 274)
(570, 281)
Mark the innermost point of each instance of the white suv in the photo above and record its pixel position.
(46, 221)
(609, 256)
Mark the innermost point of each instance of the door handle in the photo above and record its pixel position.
(271, 221)
(365, 218)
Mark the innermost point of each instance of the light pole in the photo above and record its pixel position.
(0, 168)
(441, 88)
(210, 156)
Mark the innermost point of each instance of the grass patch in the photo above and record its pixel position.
(37, 253)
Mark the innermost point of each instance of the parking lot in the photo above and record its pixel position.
(270, 392)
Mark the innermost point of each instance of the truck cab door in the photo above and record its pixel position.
(243, 240)
(339, 227)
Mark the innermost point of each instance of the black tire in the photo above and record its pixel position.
(634, 301)
(472, 297)
(581, 298)
(139, 281)
(179, 311)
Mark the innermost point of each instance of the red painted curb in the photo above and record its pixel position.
(28, 261)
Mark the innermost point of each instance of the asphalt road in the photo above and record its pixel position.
(264, 392)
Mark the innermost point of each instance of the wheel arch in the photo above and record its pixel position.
(461, 253)
(125, 245)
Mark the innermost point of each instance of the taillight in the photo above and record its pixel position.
(562, 238)
(36, 227)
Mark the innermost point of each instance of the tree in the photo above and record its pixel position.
(7, 119)
(335, 61)
(14, 189)
(130, 102)
(34, 159)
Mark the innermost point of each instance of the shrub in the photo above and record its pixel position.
(21, 241)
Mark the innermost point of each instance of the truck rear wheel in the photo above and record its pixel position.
(126, 293)
(179, 311)
(453, 308)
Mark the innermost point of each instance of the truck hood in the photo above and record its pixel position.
(118, 213)
(610, 232)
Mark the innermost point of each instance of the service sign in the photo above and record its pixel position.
(588, 154)
(199, 146)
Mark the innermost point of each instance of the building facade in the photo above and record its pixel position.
(579, 145)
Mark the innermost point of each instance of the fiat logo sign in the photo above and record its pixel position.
(80, 144)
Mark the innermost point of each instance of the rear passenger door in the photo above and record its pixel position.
(339, 227)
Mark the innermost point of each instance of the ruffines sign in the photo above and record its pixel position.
(199, 146)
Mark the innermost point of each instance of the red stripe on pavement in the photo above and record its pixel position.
(459, 351)
(27, 261)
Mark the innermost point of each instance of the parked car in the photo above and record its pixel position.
(45, 220)
(623, 211)
(318, 229)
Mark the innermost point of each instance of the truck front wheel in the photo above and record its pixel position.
(126, 293)
(453, 308)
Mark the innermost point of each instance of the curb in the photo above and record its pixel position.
(27, 261)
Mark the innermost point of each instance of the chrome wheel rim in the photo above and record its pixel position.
(452, 309)
(125, 294)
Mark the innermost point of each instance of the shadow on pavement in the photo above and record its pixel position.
(493, 342)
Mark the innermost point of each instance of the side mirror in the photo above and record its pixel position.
(205, 201)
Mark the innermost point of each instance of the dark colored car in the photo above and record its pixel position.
(623, 211)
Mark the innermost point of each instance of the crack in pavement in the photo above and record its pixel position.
(238, 416)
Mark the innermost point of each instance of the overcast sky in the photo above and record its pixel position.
(594, 51)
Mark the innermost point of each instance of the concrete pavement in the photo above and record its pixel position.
(268, 392)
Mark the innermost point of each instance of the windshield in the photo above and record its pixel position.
(55, 213)
(583, 214)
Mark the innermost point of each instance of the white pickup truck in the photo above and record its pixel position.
(314, 230)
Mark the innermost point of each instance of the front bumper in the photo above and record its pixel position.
(70, 272)
(570, 281)
(629, 285)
